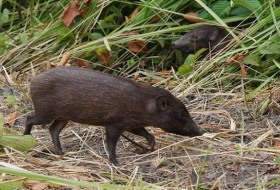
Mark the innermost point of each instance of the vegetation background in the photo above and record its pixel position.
(234, 94)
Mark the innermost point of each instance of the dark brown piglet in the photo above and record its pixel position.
(211, 37)
(90, 97)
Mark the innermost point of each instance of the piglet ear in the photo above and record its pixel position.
(213, 34)
(162, 102)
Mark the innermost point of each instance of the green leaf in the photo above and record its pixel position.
(197, 54)
(190, 59)
(156, 60)
(185, 69)
(179, 56)
(116, 12)
(101, 50)
(64, 33)
(221, 8)
(103, 24)
(161, 42)
(203, 14)
(5, 16)
(271, 49)
(26, 142)
(253, 60)
(110, 17)
(3, 39)
(95, 36)
(253, 5)
(240, 11)
(131, 62)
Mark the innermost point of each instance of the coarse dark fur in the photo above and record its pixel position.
(211, 37)
(90, 97)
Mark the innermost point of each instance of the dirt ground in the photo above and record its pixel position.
(239, 150)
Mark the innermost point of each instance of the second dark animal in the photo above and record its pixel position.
(211, 37)
(85, 96)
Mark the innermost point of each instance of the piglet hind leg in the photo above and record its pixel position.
(55, 129)
(112, 136)
(33, 119)
(144, 133)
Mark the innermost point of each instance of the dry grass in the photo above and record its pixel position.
(237, 152)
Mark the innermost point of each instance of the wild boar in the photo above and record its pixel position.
(211, 37)
(86, 96)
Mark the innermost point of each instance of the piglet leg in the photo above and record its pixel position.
(112, 136)
(33, 119)
(144, 133)
(55, 129)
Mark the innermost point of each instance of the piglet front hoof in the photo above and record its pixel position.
(58, 152)
(114, 161)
